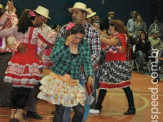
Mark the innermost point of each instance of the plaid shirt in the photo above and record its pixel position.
(64, 61)
(93, 39)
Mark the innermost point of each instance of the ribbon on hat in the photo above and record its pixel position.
(70, 25)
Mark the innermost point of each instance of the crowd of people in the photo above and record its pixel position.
(83, 56)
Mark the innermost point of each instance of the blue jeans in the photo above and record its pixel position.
(67, 111)
(141, 59)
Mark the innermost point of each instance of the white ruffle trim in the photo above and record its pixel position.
(21, 81)
(29, 65)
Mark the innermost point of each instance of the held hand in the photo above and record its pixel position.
(69, 39)
(90, 85)
(22, 48)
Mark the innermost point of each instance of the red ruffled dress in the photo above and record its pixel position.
(24, 69)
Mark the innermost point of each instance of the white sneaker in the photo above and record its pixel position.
(94, 111)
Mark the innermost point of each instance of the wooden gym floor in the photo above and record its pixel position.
(148, 101)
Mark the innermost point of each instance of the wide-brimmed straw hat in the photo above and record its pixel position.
(111, 13)
(42, 11)
(1, 6)
(79, 6)
(91, 13)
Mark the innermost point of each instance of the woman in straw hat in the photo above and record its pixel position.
(61, 87)
(23, 70)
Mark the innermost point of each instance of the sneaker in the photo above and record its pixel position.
(94, 111)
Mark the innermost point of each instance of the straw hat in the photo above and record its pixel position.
(154, 31)
(91, 13)
(80, 6)
(14, 10)
(111, 13)
(42, 11)
(1, 6)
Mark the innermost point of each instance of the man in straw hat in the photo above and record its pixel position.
(131, 21)
(42, 15)
(90, 16)
(79, 13)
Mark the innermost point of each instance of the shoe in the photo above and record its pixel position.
(130, 111)
(33, 115)
(94, 111)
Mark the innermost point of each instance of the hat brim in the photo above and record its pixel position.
(91, 15)
(71, 9)
(111, 13)
(42, 15)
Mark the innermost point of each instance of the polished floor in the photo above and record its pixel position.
(148, 101)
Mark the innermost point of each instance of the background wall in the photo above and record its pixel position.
(60, 14)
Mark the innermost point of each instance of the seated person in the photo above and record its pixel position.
(156, 42)
(143, 48)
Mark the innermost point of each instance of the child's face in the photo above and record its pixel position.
(77, 38)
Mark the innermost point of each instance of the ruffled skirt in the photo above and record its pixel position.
(115, 74)
(24, 69)
(63, 90)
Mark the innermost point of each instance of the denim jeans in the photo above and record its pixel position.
(141, 59)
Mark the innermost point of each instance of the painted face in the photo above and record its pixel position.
(78, 16)
(111, 29)
(78, 38)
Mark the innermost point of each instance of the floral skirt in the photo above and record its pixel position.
(63, 90)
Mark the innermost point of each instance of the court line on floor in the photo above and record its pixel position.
(146, 104)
